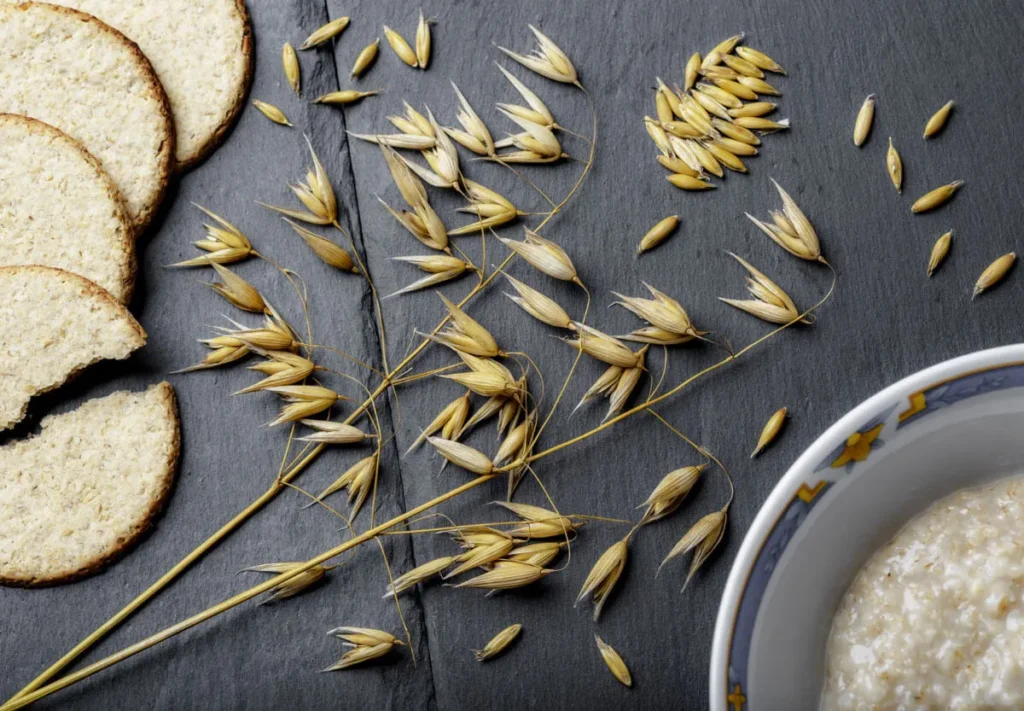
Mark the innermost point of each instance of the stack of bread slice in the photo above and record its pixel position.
(102, 103)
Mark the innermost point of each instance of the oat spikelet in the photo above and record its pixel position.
(865, 117)
(547, 60)
(343, 97)
(329, 252)
(418, 575)
(481, 556)
(514, 442)
(658, 234)
(702, 538)
(271, 112)
(358, 479)
(541, 307)
(770, 430)
(670, 493)
(466, 335)
(237, 291)
(366, 644)
(293, 586)
(894, 164)
(475, 136)
(662, 311)
(605, 348)
(328, 432)
(760, 60)
(290, 62)
(401, 47)
(545, 256)
(281, 368)
(938, 120)
(604, 575)
(802, 240)
(994, 273)
(604, 386)
(304, 401)
(462, 455)
(423, 42)
(507, 575)
(537, 112)
(538, 144)
(449, 422)
(939, 251)
(614, 661)
(327, 32)
(770, 302)
(223, 244)
(536, 553)
(226, 349)
(316, 195)
(439, 268)
(935, 198)
(490, 385)
(416, 142)
(498, 643)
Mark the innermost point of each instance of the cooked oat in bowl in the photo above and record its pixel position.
(934, 619)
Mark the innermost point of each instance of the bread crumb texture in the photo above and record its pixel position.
(60, 209)
(201, 51)
(74, 72)
(76, 495)
(55, 323)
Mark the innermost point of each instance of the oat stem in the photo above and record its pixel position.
(41, 692)
(35, 689)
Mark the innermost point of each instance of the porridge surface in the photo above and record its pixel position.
(934, 620)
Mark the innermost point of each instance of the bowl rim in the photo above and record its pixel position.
(804, 466)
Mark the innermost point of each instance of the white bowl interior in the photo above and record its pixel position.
(969, 444)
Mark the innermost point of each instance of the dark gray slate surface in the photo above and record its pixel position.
(885, 321)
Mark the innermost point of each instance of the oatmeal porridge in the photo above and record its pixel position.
(935, 618)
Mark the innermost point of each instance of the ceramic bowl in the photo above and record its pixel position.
(954, 425)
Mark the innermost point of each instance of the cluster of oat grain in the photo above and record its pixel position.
(714, 119)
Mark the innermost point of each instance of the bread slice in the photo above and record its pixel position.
(202, 52)
(54, 323)
(60, 209)
(73, 72)
(75, 496)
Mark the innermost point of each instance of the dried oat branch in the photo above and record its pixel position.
(36, 689)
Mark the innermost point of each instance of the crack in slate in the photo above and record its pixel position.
(373, 338)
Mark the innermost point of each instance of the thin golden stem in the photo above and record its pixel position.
(568, 377)
(373, 293)
(235, 600)
(35, 689)
(314, 346)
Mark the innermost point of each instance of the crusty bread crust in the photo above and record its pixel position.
(229, 119)
(90, 288)
(129, 266)
(157, 505)
(165, 155)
